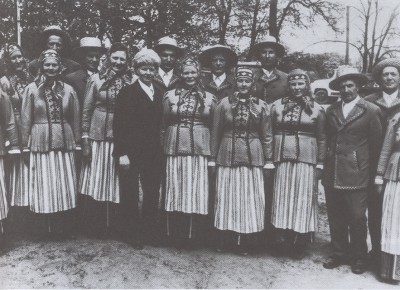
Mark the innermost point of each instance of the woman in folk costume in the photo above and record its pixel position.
(187, 113)
(13, 84)
(299, 151)
(389, 173)
(99, 177)
(50, 135)
(8, 137)
(242, 146)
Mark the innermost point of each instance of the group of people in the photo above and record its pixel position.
(227, 156)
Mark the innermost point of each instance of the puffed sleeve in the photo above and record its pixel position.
(27, 115)
(321, 137)
(8, 119)
(73, 116)
(89, 104)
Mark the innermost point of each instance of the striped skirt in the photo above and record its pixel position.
(391, 219)
(295, 197)
(3, 192)
(99, 178)
(52, 185)
(19, 182)
(240, 199)
(187, 184)
(390, 266)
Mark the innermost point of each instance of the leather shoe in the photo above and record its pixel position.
(359, 267)
(334, 262)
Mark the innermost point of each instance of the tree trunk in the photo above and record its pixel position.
(254, 25)
(273, 19)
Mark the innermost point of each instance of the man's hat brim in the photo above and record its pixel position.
(179, 51)
(81, 50)
(361, 79)
(205, 57)
(280, 49)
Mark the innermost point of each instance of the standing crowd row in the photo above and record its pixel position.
(230, 161)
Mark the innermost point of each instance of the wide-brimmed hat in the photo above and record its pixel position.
(90, 43)
(377, 70)
(168, 42)
(269, 41)
(346, 72)
(207, 52)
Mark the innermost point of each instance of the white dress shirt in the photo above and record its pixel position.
(166, 76)
(149, 90)
(390, 98)
(90, 73)
(218, 80)
(347, 107)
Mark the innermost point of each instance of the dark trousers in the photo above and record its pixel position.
(375, 203)
(348, 221)
(149, 171)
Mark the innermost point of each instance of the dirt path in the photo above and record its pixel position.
(85, 263)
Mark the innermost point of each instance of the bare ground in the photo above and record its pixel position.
(86, 263)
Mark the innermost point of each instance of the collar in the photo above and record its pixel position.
(149, 90)
(251, 101)
(351, 103)
(222, 77)
(392, 95)
(164, 73)
(267, 72)
(90, 73)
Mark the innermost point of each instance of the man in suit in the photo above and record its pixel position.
(137, 146)
(53, 37)
(387, 74)
(220, 59)
(354, 130)
(166, 78)
(271, 83)
(90, 50)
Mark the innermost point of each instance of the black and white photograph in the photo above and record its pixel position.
(212, 144)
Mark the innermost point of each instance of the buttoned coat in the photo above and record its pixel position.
(272, 88)
(98, 105)
(298, 136)
(242, 134)
(353, 145)
(224, 90)
(8, 129)
(187, 122)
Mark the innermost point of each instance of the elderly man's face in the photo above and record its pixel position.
(390, 79)
(55, 42)
(348, 90)
(92, 60)
(268, 58)
(168, 59)
(218, 64)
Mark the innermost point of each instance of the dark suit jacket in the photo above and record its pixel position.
(270, 89)
(69, 64)
(226, 89)
(137, 123)
(78, 80)
(353, 145)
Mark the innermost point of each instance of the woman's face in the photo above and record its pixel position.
(51, 67)
(118, 60)
(190, 75)
(146, 73)
(298, 88)
(244, 85)
(17, 60)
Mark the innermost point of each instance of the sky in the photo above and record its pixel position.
(303, 40)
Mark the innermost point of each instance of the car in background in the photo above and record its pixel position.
(323, 95)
